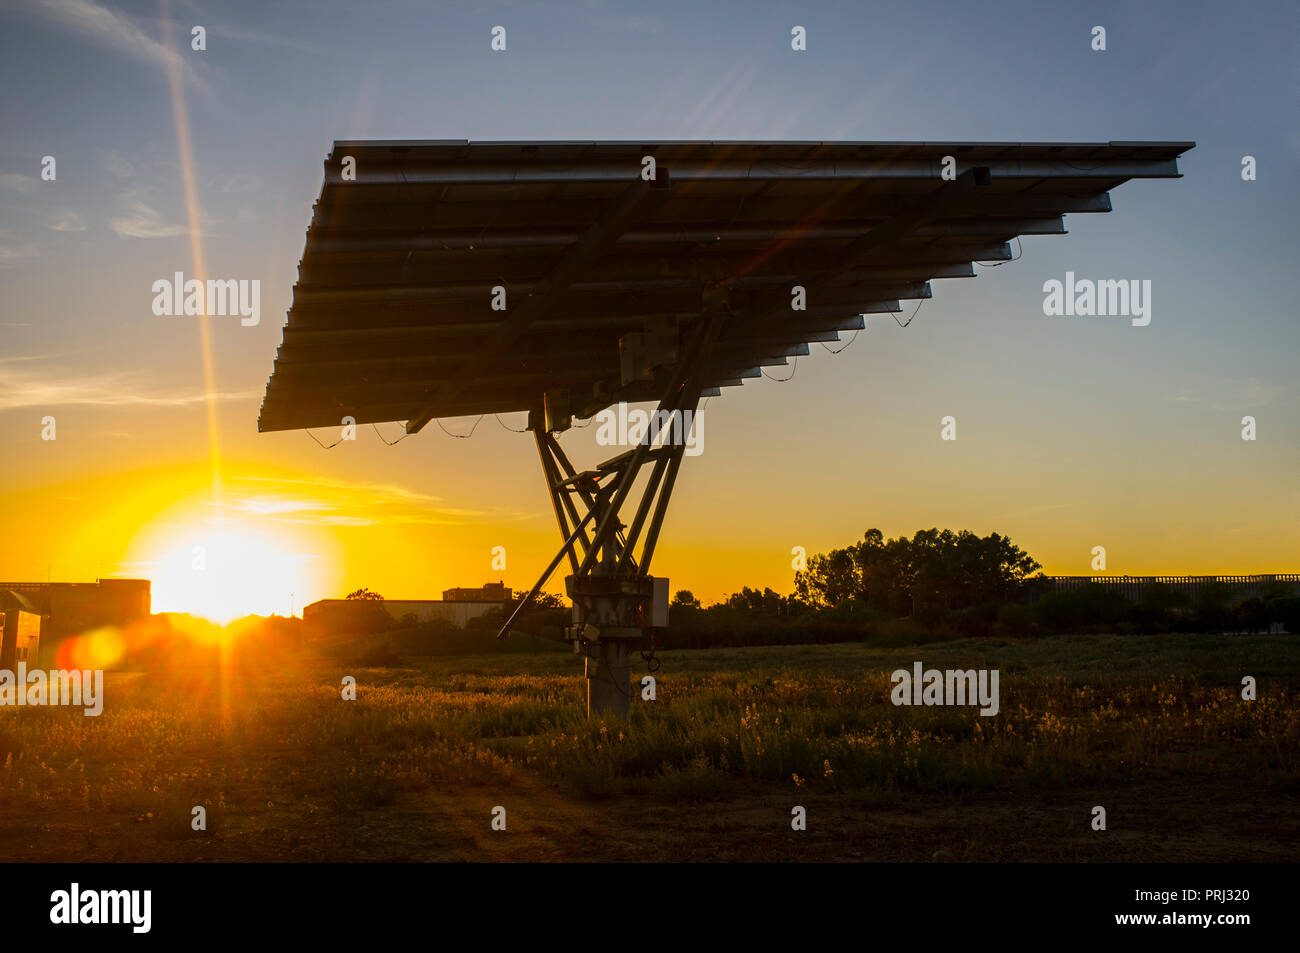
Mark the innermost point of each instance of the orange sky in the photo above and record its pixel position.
(340, 519)
(1071, 433)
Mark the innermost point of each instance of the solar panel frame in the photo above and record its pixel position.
(391, 317)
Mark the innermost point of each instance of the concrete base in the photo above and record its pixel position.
(609, 672)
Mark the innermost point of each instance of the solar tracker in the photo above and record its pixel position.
(393, 315)
(448, 278)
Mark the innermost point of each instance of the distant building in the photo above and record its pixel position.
(66, 609)
(489, 592)
(20, 630)
(457, 607)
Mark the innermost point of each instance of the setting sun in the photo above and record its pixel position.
(222, 567)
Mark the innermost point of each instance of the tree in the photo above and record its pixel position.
(545, 600)
(829, 579)
(934, 569)
(1251, 615)
(766, 602)
(367, 594)
(684, 599)
(545, 611)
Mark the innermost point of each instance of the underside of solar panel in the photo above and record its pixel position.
(447, 278)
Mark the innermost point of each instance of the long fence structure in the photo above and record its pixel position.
(1131, 587)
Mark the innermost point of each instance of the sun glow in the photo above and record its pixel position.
(223, 568)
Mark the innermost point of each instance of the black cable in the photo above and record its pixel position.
(511, 429)
(909, 320)
(317, 439)
(781, 380)
(845, 347)
(460, 436)
(381, 436)
(999, 264)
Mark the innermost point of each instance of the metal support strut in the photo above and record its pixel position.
(616, 602)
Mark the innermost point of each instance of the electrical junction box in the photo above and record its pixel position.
(657, 616)
(557, 410)
(640, 352)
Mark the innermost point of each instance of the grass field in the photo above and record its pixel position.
(1153, 728)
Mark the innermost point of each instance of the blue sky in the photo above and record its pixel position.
(1115, 432)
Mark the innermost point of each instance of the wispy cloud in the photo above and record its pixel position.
(268, 39)
(68, 221)
(12, 253)
(109, 28)
(18, 182)
(337, 503)
(143, 221)
(117, 165)
(15, 358)
(1231, 396)
(380, 489)
(48, 387)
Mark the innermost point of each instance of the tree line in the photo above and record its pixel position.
(944, 584)
(936, 584)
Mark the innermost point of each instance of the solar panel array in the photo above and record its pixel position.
(411, 243)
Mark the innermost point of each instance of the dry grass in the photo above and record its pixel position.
(1153, 728)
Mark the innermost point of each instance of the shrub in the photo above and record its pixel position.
(381, 655)
(1090, 608)
(1286, 611)
(1251, 615)
(1014, 620)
